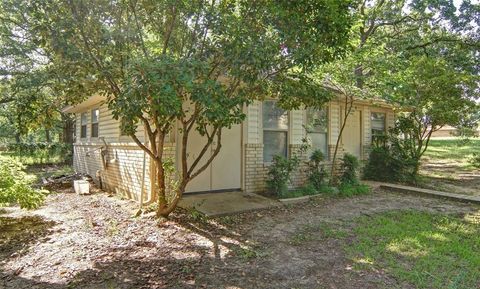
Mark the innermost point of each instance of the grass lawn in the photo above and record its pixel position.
(446, 167)
(452, 150)
(39, 159)
(424, 249)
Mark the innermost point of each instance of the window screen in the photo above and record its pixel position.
(275, 130)
(83, 125)
(95, 117)
(317, 129)
(378, 127)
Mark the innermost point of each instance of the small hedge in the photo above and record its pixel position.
(316, 182)
(15, 187)
(387, 165)
(475, 160)
(41, 152)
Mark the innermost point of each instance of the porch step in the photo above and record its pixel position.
(226, 203)
(433, 193)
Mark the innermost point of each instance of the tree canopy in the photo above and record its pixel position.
(186, 65)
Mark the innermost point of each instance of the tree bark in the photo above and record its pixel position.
(47, 135)
(68, 129)
(340, 133)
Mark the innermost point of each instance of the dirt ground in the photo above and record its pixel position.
(94, 242)
(450, 176)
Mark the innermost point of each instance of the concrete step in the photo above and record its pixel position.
(433, 193)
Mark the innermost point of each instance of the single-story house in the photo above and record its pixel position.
(119, 165)
(449, 132)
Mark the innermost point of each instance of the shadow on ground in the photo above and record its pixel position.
(214, 264)
(16, 234)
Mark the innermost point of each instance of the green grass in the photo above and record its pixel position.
(36, 173)
(451, 149)
(317, 231)
(345, 190)
(38, 159)
(424, 249)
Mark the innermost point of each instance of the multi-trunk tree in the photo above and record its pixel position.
(189, 66)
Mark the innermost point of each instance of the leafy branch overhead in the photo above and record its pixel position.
(189, 66)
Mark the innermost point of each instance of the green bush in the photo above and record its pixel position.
(475, 160)
(41, 152)
(279, 174)
(349, 167)
(316, 173)
(328, 190)
(15, 187)
(349, 189)
(388, 164)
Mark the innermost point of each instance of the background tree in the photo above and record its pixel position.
(390, 42)
(432, 71)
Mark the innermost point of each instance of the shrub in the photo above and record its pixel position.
(41, 152)
(279, 174)
(389, 163)
(327, 190)
(349, 168)
(475, 160)
(316, 173)
(349, 190)
(15, 187)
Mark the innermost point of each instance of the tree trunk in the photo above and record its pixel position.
(68, 128)
(47, 136)
(17, 137)
(359, 76)
(340, 133)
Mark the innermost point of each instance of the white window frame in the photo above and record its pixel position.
(286, 131)
(372, 135)
(83, 116)
(327, 133)
(92, 122)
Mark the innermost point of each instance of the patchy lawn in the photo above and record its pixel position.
(428, 250)
(446, 166)
(380, 240)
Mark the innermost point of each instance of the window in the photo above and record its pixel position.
(378, 127)
(95, 116)
(122, 131)
(83, 125)
(275, 131)
(317, 129)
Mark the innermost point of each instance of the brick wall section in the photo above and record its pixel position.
(366, 152)
(299, 177)
(255, 171)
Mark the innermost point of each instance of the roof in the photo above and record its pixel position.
(92, 100)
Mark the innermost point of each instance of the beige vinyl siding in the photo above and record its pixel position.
(367, 126)
(297, 130)
(124, 169)
(108, 128)
(390, 118)
(77, 127)
(254, 123)
(123, 172)
(334, 122)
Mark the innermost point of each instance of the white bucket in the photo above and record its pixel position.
(81, 187)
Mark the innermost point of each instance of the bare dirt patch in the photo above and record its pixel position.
(450, 176)
(94, 242)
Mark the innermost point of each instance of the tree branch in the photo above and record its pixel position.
(212, 157)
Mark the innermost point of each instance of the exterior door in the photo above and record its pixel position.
(225, 171)
(352, 142)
